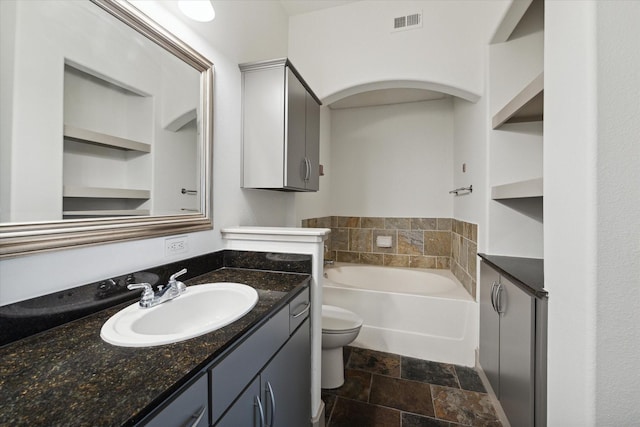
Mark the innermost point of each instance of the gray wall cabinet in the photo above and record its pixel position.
(280, 128)
(512, 347)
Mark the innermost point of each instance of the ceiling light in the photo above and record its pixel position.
(198, 10)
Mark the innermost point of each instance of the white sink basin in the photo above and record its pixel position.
(201, 309)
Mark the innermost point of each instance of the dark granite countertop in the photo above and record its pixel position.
(528, 273)
(69, 376)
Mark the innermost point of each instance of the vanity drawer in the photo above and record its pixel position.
(235, 371)
(299, 310)
(188, 408)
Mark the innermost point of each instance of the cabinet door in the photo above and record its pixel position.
(312, 138)
(286, 382)
(489, 346)
(516, 353)
(188, 408)
(236, 370)
(295, 161)
(247, 411)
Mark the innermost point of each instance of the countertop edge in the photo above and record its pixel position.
(526, 273)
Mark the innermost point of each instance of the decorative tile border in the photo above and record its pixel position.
(443, 243)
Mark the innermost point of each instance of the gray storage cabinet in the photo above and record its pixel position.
(512, 347)
(280, 128)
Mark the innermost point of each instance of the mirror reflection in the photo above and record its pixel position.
(97, 120)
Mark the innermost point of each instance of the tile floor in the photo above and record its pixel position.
(388, 390)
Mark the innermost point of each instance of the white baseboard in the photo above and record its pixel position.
(318, 420)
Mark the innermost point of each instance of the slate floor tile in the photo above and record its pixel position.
(405, 395)
(469, 379)
(429, 372)
(464, 407)
(412, 420)
(376, 362)
(351, 413)
(357, 385)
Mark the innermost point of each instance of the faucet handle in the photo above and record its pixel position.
(178, 274)
(147, 293)
(173, 283)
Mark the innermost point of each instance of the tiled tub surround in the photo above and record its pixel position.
(69, 376)
(443, 243)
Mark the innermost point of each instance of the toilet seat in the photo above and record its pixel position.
(336, 320)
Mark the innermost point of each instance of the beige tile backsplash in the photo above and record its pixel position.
(443, 243)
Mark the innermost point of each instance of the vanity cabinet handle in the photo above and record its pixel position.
(493, 296)
(197, 416)
(260, 410)
(303, 311)
(272, 398)
(499, 308)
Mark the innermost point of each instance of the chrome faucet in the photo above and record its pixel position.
(172, 290)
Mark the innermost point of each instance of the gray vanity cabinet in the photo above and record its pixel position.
(280, 396)
(266, 380)
(280, 128)
(511, 346)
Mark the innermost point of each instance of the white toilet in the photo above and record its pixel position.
(339, 328)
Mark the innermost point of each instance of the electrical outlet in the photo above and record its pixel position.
(176, 245)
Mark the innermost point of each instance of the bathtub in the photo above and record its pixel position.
(421, 313)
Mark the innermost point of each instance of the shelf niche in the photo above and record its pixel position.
(526, 106)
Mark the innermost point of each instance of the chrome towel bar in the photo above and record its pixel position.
(466, 190)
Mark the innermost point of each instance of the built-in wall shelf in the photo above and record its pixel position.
(90, 137)
(106, 213)
(526, 106)
(104, 193)
(518, 190)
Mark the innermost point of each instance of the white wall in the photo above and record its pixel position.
(591, 205)
(393, 160)
(469, 148)
(617, 293)
(446, 51)
(570, 224)
(264, 35)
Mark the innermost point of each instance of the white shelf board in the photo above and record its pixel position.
(526, 106)
(87, 136)
(510, 20)
(106, 193)
(115, 212)
(518, 190)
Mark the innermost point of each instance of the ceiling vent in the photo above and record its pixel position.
(407, 22)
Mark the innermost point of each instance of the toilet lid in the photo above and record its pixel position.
(336, 319)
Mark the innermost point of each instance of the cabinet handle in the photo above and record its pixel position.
(260, 410)
(499, 308)
(307, 167)
(303, 311)
(197, 416)
(493, 296)
(272, 397)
